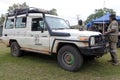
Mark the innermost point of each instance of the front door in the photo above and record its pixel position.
(38, 37)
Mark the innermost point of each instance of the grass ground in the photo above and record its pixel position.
(42, 67)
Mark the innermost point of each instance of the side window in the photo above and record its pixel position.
(38, 24)
(21, 22)
(9, 24)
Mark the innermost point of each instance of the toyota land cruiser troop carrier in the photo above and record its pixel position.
(35, 30)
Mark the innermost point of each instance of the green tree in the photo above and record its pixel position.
(17, 6)
(2, 18)
(53, 12)
(13, 7)
(98, 13)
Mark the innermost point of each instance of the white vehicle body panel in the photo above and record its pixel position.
(42, 41)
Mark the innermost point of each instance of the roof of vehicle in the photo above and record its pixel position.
(26, 11)
(30, 12)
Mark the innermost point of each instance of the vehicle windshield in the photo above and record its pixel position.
(57, 23)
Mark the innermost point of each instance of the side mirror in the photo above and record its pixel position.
(68, 23)
(43, 27)
(41, 23)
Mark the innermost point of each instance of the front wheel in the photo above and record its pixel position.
(70, 58)
(15, 49)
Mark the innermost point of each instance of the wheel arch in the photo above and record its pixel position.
(61, 44)
(12, 40)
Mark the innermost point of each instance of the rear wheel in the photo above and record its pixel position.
(69, 58)
(15, 49)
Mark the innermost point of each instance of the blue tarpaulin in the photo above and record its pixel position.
(104, 19)
(89, 25)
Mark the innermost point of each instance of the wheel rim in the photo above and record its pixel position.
(68, 58)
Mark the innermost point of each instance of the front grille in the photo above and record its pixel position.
(99, 40)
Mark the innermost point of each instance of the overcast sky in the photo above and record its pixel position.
(69, 9)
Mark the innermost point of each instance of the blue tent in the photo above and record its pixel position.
(104, 19)
(89, 25)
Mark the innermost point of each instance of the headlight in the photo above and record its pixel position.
(92, 41)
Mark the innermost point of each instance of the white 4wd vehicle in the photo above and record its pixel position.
(36, 31)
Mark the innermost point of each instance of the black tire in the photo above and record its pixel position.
(69, 58)
(15, 49)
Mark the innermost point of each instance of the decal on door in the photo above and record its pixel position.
(37, 40)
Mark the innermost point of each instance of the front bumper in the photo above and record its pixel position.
(93, 51)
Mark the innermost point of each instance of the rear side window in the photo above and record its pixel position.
(9, 24)
(21, 22)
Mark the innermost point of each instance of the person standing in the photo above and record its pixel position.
(112, 33)
(80, 25)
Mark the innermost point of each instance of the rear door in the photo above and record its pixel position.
(8, 30)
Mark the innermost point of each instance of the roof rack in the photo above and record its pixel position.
(27, 11)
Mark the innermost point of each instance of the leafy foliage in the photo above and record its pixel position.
(17, 6)
(2, 19)
(98, 13)
(13, 7)
(53, 12)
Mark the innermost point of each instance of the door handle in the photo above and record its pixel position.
(5, 35)
(44, 36)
